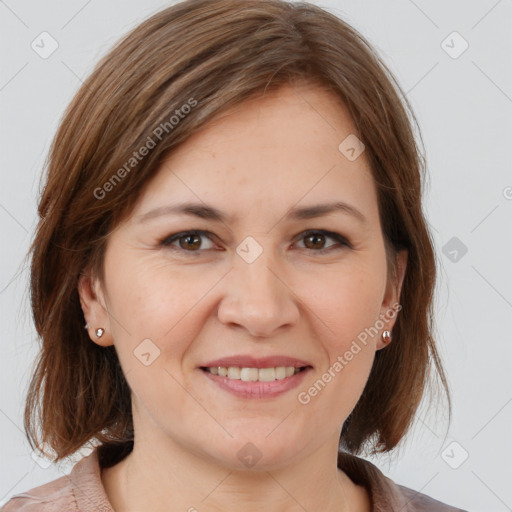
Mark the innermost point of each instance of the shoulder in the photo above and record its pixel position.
(79, 491)
(385, 494)
(423, 503)
(53, 496)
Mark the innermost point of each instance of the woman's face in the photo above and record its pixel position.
(254, 284)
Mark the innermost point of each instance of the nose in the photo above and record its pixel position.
(258, 298)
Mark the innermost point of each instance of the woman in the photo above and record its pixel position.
(233, 210)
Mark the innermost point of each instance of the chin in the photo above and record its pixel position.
(255, 452)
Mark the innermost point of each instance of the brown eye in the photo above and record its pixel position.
(315, 241)
(189, 241)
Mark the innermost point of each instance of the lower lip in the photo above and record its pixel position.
(256, 389)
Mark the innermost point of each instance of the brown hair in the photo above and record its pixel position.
(219, 53)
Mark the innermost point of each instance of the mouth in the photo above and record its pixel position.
(254, 374)
(256, 378)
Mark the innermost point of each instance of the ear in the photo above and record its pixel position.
(92, 300)
(389, 310)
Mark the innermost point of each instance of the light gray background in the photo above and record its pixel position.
(464, 107)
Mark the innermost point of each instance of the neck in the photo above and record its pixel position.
(156, 479)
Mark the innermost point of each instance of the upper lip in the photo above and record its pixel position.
(242, 361)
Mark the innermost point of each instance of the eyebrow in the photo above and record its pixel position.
(204, 211)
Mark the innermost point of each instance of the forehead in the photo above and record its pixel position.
(266, 155)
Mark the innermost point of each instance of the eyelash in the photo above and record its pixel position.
(342, 242)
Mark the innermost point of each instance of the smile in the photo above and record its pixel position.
(254, 374)
(246, 382)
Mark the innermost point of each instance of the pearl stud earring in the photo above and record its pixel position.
(386, 336)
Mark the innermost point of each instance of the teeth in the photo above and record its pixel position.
(254, 374)
(249, 374)
(233, 372)
(280, 372)
(266, 374)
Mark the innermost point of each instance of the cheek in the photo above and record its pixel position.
(346, 313)
(154, 308)
(346, 305)
(153, 320)
(346, 301)
(150, 295)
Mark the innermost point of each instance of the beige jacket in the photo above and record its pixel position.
(82, 490)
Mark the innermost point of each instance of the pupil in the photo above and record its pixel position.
(315, 237)
(187, 238)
